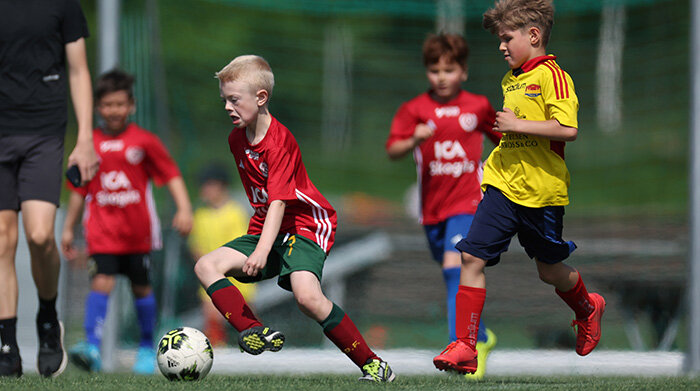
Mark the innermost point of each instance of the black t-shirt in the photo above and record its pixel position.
(33, 76)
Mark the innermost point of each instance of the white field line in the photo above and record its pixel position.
(419, 362)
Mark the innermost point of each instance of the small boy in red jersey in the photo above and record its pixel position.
(525, 181)
(120, 221)
(290, 233)
(445, 128)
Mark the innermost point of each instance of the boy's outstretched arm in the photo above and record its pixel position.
(182, 221)
(271, 228)
(76, 202)
(506, 121)
(400, 148)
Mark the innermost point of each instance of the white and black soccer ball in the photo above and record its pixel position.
(185, 353)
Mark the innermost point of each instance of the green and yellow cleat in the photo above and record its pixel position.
(378, 371)
(256, 340)
(483, 349)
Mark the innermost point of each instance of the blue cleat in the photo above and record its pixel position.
(86, 356)
(145, 361)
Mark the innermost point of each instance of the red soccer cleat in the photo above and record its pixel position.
(588, 333)
(457, 356)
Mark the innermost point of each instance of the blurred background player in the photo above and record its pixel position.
(445, 128)
(290, 233)
(38, 44)
(525, 181)
(215, 223)
(120, 223)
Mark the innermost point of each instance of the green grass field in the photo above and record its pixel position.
(75, 381)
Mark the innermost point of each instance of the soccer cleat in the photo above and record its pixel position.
(10, 362)
(457, 356)
(378, 371)
(86, 356)
(256, 340)
(588, 333)
(483, 349)
(145, 361)
(52, 358)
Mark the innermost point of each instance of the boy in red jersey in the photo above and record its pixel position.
(525, 181)
(290, 233)
(121, 225)
(445, 128)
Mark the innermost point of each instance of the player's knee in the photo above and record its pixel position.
(546, 275)
(308, 303)
(203, 267)
(471, 262)
(41, 239)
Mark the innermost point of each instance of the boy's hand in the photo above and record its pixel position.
(255, 262)
(506, 121)
(422, 133)
(182, 222)
(69, 251)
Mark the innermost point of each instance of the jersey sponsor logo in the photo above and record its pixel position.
(116, 191)
(134, 155)
(263, 169)
(448, 150)
(468, 121)
(111, 146)
(515, 87)
(447, 111)
(252, 154)
(511, 140)
(533, 91)
(259, 195)
(240, 164)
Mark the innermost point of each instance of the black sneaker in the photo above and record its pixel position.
(256, 340)
(10, 362)
(52, 358)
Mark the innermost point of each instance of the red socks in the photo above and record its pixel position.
(342, 331)
(577, 298)
(229, 301)
(469, 304)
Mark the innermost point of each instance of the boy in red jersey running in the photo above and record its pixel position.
(290, 233)
(121, 225)
(445, 128)
(525, 181)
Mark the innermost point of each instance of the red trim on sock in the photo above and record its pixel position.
(348, 339)
(233, 307)
(469, 304)
(577, 299)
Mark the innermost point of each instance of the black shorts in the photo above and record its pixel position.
(31, 168)
(498, 219)
(135, 266)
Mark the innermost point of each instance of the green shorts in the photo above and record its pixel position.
(293, 254)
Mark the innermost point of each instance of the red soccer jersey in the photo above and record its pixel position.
(120, 215)
(449, 162)
(273, 170)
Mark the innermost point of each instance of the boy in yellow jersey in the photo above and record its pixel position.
(214, 223)
(525, 181)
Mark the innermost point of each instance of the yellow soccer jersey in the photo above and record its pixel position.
(530, 170)
(212, 228)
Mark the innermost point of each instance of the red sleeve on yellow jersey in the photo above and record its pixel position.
(561, 102)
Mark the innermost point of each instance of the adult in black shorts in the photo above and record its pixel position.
(42, 50)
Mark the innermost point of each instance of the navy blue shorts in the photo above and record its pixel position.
(443, 236)
(498, 219)
(135, 266)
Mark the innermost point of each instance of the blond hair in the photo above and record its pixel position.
(251, 69)
(517, 14)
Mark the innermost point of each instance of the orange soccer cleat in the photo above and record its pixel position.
(588, 333)
(457, 356)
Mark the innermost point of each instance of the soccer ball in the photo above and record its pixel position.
(185, 353)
